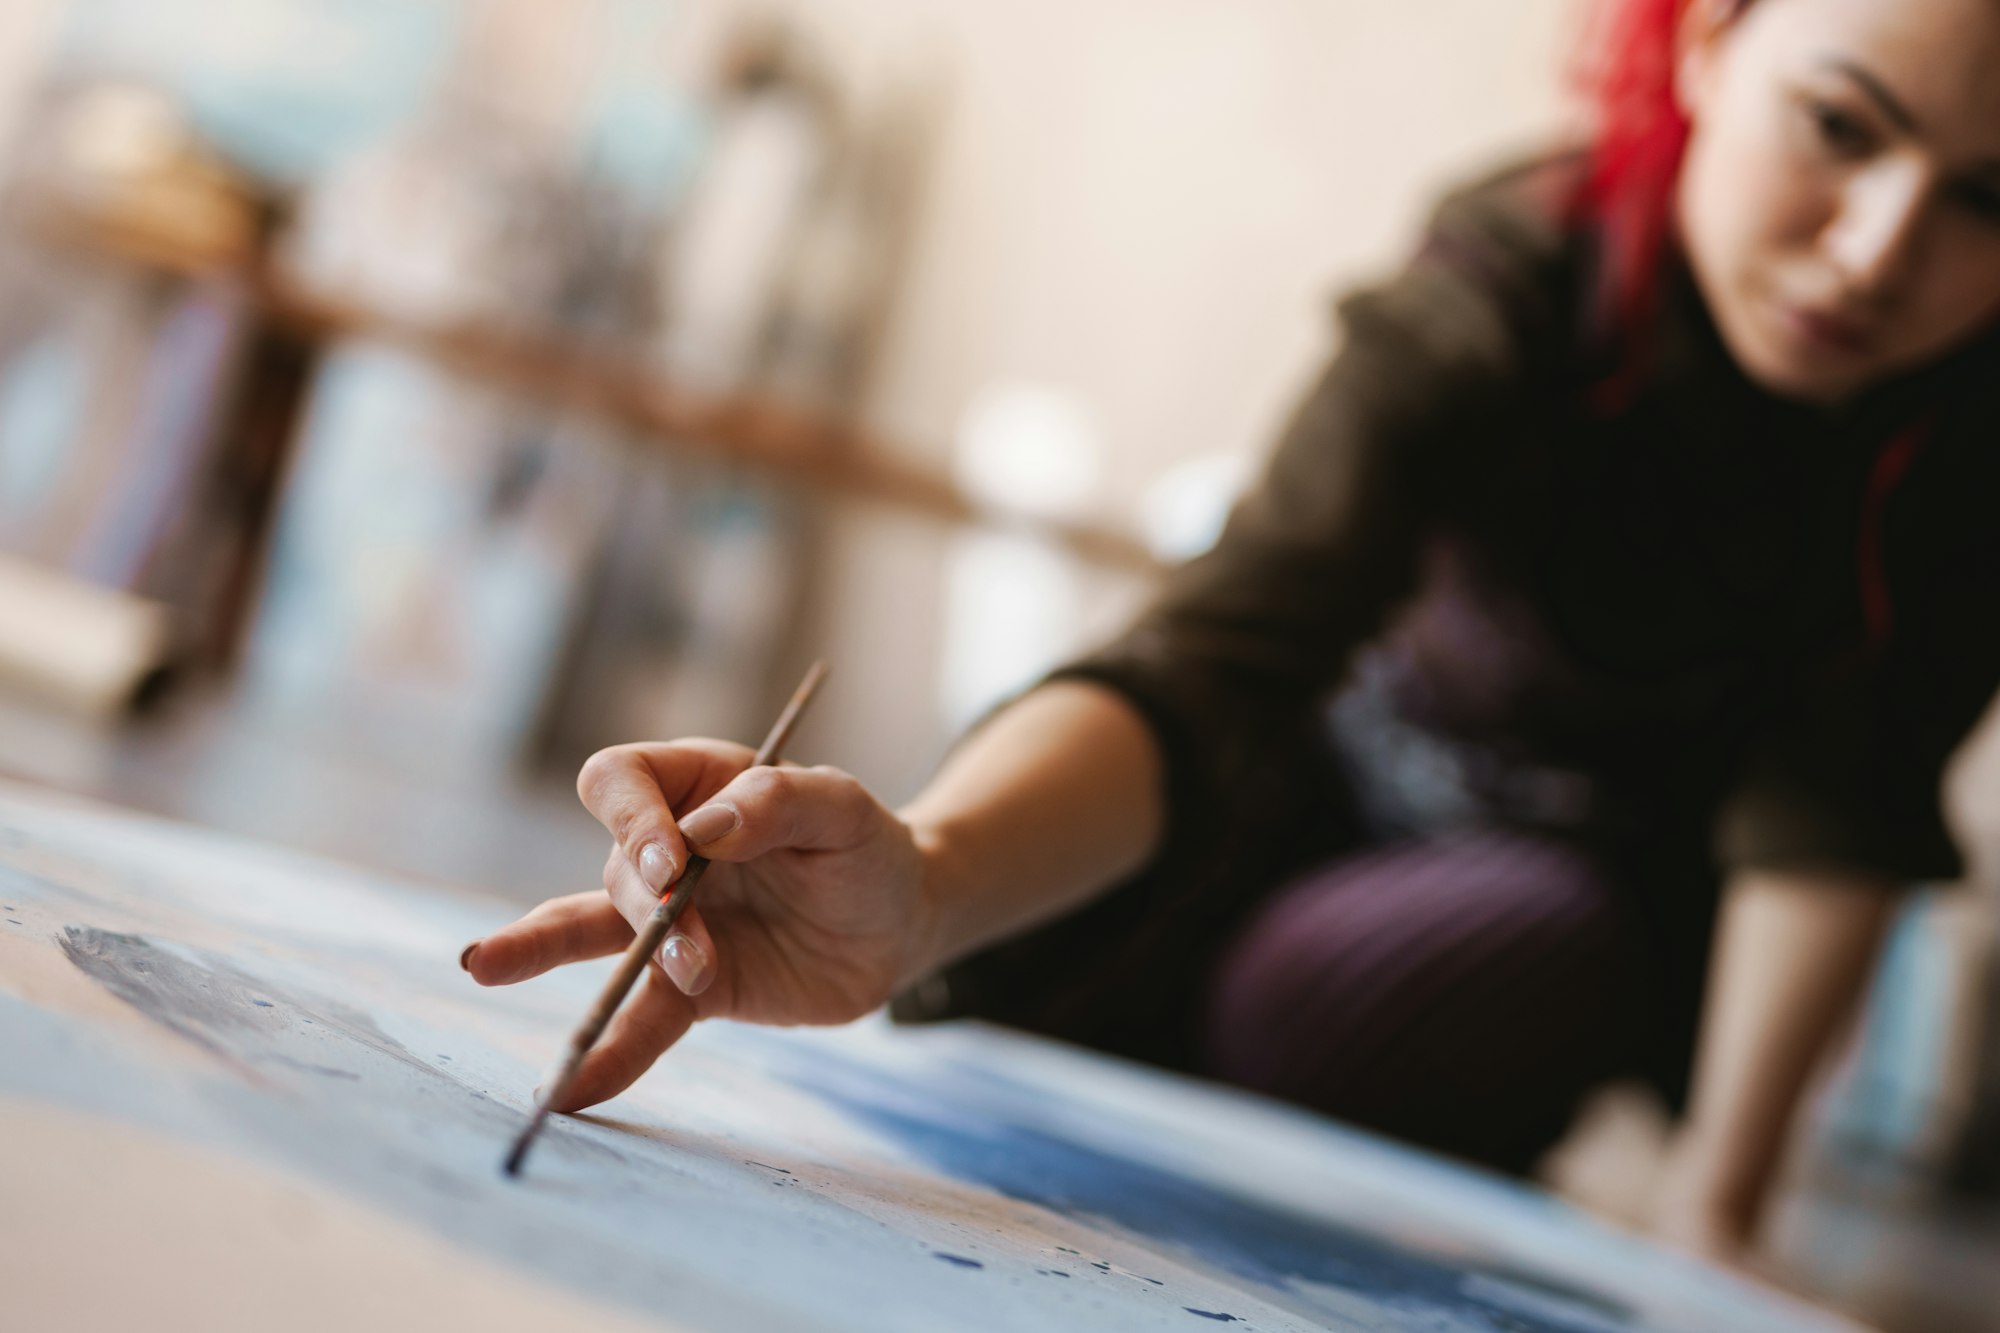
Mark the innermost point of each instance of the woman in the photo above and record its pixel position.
(1639, 534)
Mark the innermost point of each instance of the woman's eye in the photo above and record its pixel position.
(1840, 132)
(1980, 199)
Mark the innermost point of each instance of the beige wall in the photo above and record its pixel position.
(26, 27)
(1148, 203)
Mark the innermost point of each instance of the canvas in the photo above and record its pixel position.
(240, 1088)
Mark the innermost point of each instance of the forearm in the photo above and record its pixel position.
(1053, 800)
(1793, 952)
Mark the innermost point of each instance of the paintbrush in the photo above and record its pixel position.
(658, 923)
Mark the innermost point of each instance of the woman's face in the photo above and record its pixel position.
(1840, 198)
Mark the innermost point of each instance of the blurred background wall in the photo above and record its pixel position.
(1148, 207)
(1122, 224)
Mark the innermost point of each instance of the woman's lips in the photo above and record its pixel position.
(1835, 332)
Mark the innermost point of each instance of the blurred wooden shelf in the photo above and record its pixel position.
(786, 443)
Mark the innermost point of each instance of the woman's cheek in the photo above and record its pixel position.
(1794, 188)
(1961, 300)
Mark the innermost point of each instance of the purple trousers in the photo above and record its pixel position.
(1462, 993)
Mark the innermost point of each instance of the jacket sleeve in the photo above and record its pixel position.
(1850, 777)
(1230, 662)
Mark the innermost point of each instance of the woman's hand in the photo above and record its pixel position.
(1793, 954)
(1698, 1214)
(814, 910)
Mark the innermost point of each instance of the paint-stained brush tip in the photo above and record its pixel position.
(518, 1157)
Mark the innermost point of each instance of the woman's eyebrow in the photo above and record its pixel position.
(1885, 101)
(1898, 114)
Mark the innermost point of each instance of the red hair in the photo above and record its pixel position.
(1625, 71)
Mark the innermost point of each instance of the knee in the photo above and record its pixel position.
(1416, 959)
(1282, 989)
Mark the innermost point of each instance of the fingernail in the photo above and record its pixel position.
(655, 866)
(686, 963)
(710, 822)
(465, 955)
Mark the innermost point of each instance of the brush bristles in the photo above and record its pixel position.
(517, 1158)
(556, 1089)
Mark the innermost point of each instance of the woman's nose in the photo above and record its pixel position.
(1874, 238)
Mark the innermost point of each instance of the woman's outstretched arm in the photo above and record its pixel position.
(1057, 798)
(1793, 953)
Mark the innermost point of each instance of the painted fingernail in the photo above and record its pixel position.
(656, 867)
(710, 822)
(686, 963)
(465, 955)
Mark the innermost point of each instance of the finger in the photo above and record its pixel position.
(561, 930)
(688, 952)
(632, 896)
(688, 955)
(766, 809)
(622, 791)
(643, 1029)
(633, 790)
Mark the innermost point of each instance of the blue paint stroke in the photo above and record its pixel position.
(1262, 1244)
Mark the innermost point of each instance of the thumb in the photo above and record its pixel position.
(771, 809)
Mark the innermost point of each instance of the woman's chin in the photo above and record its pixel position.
(1812, 387)
(1784, 370)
